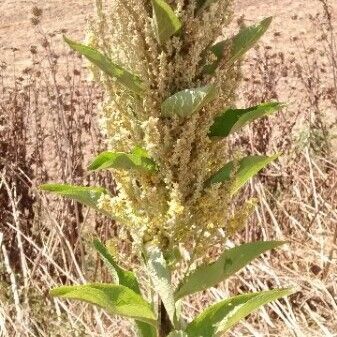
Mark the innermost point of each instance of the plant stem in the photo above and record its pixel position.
(165, 325)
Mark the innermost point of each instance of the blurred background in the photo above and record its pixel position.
(49, 129)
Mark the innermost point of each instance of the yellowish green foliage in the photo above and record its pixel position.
(172, 205)
(166, 115)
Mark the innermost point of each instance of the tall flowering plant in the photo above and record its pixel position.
(170, 83)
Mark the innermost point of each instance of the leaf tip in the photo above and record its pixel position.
(97, 244)
(267, 21)
(290, 291)
(55, 292)
(42, 187)
(276, 156)
(92, 167)
(47, 187)
(282, 105)
(68, 41)
(283, 242)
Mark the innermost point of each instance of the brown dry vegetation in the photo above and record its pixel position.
(49, 131)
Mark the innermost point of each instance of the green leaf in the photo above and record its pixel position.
(241, 171)
(238, 44)
(232, 120)
(186, 102)
(250, 306)
(145, 329)
(122, 76)
(138, 159)
(166, 23)
(178, 334)
(205, 324)
(220, 317)
(127, 279)
(115, 299)
(88, 196)
(161, 279)
(230, 262)
(247, 38)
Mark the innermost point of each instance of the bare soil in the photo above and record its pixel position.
(291, 19)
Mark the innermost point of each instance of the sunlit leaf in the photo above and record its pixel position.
(125, 278)
(187, 102)
(161, 279)
(88, 196)
(220, 317)
(232, 120)
(122, 76)
(138, 159)
(145, 329)
(238, 45)
(166, 23)
(230, 262)
(247, 38)
(239, 172)
(115, 299)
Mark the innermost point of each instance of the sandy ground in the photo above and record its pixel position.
(17, 31)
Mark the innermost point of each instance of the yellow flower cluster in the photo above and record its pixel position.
(171, 206)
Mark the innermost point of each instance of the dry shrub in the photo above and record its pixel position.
(47, 124)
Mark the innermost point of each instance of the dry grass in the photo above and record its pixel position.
(49, 130)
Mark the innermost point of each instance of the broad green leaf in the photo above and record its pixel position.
(221, 316)
(238, 45)
(247, 38)
(205, 324)
(122, 76)
(127, 279)
(186, 102)
(145, 329)
(232, 120)
(230, 262)
(178, 334)
(161, 279)
(166, 23)
(88, 196)
(240, 172)
(115, 299)
(138, 159)
(250, 306)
